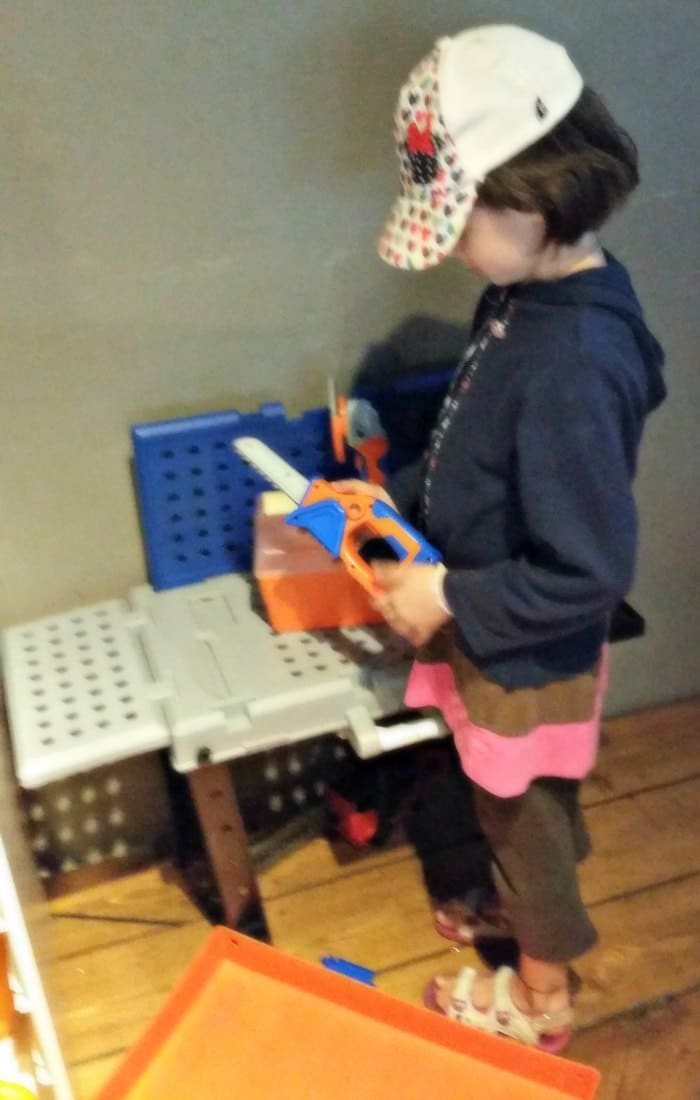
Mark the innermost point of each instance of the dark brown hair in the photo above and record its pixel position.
(574, 176)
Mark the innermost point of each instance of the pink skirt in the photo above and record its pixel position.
(506, 765)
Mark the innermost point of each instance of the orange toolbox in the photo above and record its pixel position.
(301, 585)
(251, 1022)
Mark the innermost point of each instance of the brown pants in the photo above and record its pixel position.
(536, 840)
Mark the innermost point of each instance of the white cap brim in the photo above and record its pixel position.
(420, 235)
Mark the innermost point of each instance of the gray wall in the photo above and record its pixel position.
(191, 192)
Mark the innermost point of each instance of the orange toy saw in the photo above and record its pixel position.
(340, 521)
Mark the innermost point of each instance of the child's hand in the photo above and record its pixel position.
(406, 597)
(356, 485)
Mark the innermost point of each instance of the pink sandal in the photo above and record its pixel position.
(549, 1033)
(477, 918)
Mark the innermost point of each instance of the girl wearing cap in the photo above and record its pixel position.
(510, 165)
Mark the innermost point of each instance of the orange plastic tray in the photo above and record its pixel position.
(249, 1021)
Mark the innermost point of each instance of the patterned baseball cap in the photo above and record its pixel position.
(474, 102)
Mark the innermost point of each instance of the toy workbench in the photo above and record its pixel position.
(189, 662)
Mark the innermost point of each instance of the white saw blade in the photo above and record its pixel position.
(272, 466)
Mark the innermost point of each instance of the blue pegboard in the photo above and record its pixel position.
(196, 496)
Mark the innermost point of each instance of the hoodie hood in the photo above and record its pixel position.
(606, 288)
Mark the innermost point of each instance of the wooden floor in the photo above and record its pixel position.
(124, 943)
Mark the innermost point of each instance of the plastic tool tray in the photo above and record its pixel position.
(249, 1021)
(195, 669)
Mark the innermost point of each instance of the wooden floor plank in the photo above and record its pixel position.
(374, 918)
(642, 840)
(650, 748)
(650, 1056)
(156, 893)
(73, 936)
(87, 1079)
(323, 860)
(106, 997)
(649, 948)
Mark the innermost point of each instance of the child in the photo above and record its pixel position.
(510, 165)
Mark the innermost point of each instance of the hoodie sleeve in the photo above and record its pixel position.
(574, 487)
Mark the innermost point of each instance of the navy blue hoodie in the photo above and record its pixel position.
(531, 500)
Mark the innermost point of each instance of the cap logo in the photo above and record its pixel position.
(541, 109)
(421, 147)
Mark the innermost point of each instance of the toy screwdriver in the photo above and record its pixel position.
(340, 521)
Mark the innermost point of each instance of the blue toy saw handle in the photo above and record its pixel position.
(404, 538)
(342, 522)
